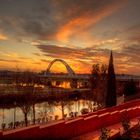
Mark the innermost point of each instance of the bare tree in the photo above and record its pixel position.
(27, 81)
(25, 109)
(98, 82)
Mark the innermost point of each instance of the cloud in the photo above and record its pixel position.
(84, 15)
(30, 20)
(64, 52)
(135, 27)
(9, 54)
(133, 52)
(37, 54)
(52, 19)
(3, 37)
(127, 60)
(134, 34)
(44, 61)
(8, 60)
(33, 43)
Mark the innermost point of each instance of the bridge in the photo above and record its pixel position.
(81, 80)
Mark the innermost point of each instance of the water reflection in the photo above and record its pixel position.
(44, 112)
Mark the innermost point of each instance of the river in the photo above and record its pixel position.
(46, 112)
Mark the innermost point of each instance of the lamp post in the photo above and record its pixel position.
(14, 114)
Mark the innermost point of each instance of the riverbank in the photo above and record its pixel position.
(132, 97)
(10, 99)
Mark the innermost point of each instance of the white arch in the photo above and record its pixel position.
(69, 69)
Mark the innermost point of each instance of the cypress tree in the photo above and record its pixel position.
(111, 97)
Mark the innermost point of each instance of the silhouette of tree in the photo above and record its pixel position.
(34, 117)
(98, 82)
(25, 106)
(130, 88)
(25, 109)
(27, 81)
(111, 97)
(62, 103)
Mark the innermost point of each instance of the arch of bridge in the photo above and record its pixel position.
(69, 69)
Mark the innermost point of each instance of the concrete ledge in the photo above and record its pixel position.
(129, 109)
(123, 111)
(86, 115)
(52, 124)
(102, 115)
(114, 112)
(74, 120)
(102, 111)
(91, 117)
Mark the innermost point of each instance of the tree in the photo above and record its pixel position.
(27, 82)
(130, 88)
(25, 109)
(98, 82)
(111, 97)
(62, 104)
(34, 116)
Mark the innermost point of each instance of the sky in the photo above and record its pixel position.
(81, 32)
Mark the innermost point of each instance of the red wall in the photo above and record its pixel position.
(1, 133)
(27, 132)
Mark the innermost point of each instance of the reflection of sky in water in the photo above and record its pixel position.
(9, 115)
(44, 109)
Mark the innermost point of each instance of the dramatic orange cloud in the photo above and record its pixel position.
(3, 37)
(84, 21)
(9, 54)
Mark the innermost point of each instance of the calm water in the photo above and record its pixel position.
(46, 112)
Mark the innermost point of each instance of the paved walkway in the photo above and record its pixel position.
(115, 130)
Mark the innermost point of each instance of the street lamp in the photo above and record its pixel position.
(14, 114)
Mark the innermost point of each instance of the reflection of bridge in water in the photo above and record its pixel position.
(73, 80)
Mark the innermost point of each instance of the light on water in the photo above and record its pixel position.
(46, 112)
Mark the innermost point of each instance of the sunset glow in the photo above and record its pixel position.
(81, 32)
